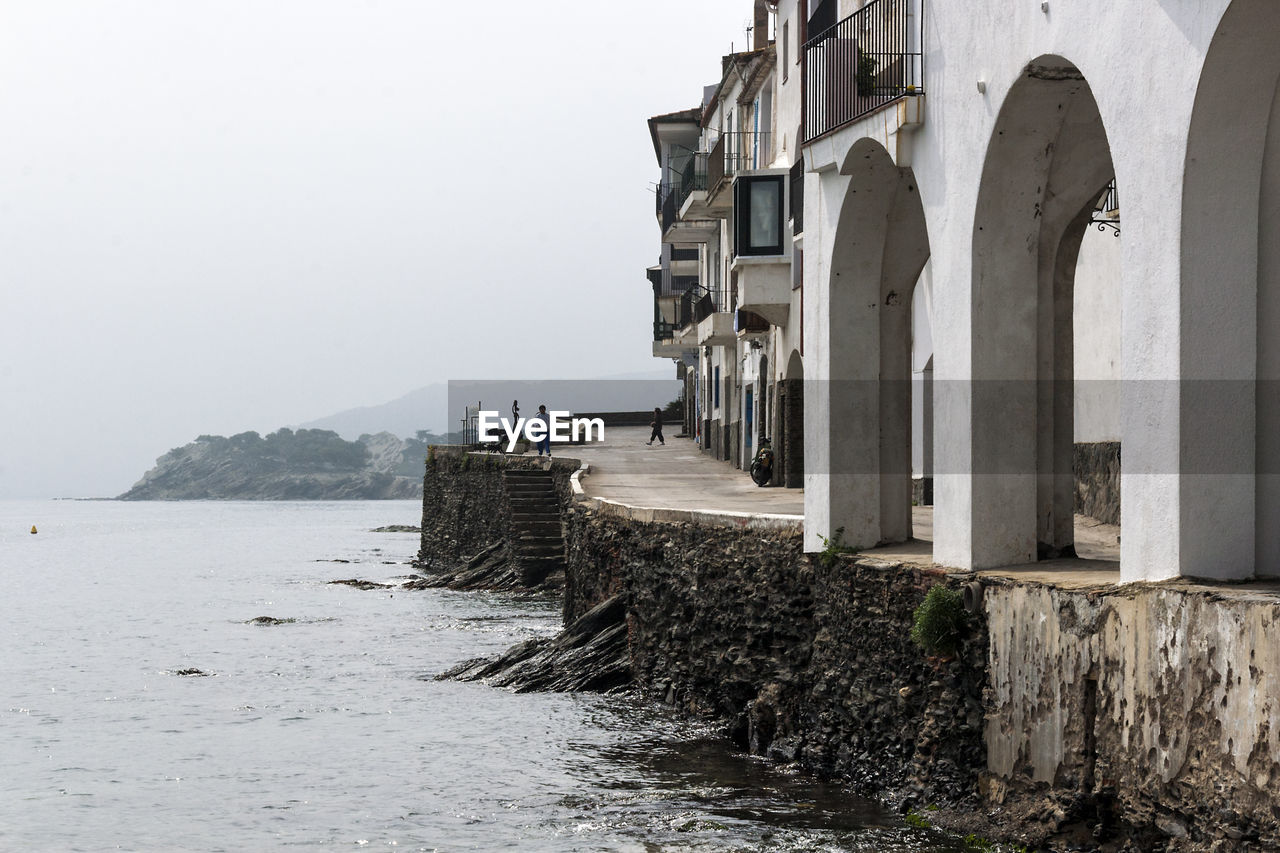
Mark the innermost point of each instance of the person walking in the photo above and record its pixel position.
(657, 427)
(545, 443)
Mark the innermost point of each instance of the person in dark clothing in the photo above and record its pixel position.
(657, 427)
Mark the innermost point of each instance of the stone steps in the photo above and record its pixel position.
(537, 535)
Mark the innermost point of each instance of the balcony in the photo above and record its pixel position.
(734, 154)
(675, 228)
(749, 324)
(716, 330)
(692, 199)
(764, 286)
(857, 65)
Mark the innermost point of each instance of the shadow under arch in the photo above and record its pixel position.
(1046, 164)
(880, 246)
(1229, 505)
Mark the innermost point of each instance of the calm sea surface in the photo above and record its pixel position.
(326, 731)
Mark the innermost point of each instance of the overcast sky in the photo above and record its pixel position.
(240, 214)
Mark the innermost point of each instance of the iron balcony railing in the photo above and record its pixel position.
(715, 164)
(736, 152)
(669, 208)
(869, 59)
(698, 303)
(664, 331)
(693, 177)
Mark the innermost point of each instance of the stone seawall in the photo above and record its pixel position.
(465, 505)
(806, 661)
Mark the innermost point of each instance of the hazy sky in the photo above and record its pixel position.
(235, 215)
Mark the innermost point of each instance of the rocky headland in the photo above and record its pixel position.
(286, 465)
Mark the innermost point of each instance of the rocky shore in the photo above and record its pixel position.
(1031, 729)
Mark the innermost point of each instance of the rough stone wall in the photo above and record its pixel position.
(464, 502)
(1097, 472)
(1159, 705)
(793, 433)
(806, 662)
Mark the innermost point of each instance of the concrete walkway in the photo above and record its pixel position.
(675, 476)
(679, 476)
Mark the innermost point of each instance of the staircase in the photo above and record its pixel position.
(537, 536)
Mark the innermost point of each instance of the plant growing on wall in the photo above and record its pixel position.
(939, 622)
(866, 74)
(833, 547)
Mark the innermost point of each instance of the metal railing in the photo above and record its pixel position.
(664, 331)
(669, 208)
(715, 165)
(859, 64)
(698, 303)
(693, 177)
(736, 152)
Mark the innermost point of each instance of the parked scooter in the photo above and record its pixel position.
(762, 465)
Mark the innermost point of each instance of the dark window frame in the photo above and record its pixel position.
(743, 191)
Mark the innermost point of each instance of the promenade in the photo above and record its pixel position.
(625, 470)
(675, 476)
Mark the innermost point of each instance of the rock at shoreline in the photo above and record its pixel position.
(494, 569)
(590, 655)
(359, 583)
(397, 528)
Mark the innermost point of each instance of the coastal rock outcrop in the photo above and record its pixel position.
(589, 655)
(285, 465)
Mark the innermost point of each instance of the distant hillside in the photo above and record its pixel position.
(441, 406)
(423, 409)
(309, 464)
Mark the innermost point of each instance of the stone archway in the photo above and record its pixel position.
(863, 441)
(1229, 396)
(1046, 165)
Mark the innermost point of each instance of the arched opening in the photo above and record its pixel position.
(790, 437)
(880, 247)
(1229, 401)
(1047, 165)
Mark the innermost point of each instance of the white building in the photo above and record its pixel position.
(955, 157)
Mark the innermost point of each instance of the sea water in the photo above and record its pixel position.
(147, 706)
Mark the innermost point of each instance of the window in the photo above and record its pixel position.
(757, 211)
(786, 49)
(715, 390)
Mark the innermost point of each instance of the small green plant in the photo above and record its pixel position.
(833, 547)
(431, 457)
(866, 74)
(916, 820)
(466, 462)
(978, 844)
(939, 621)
